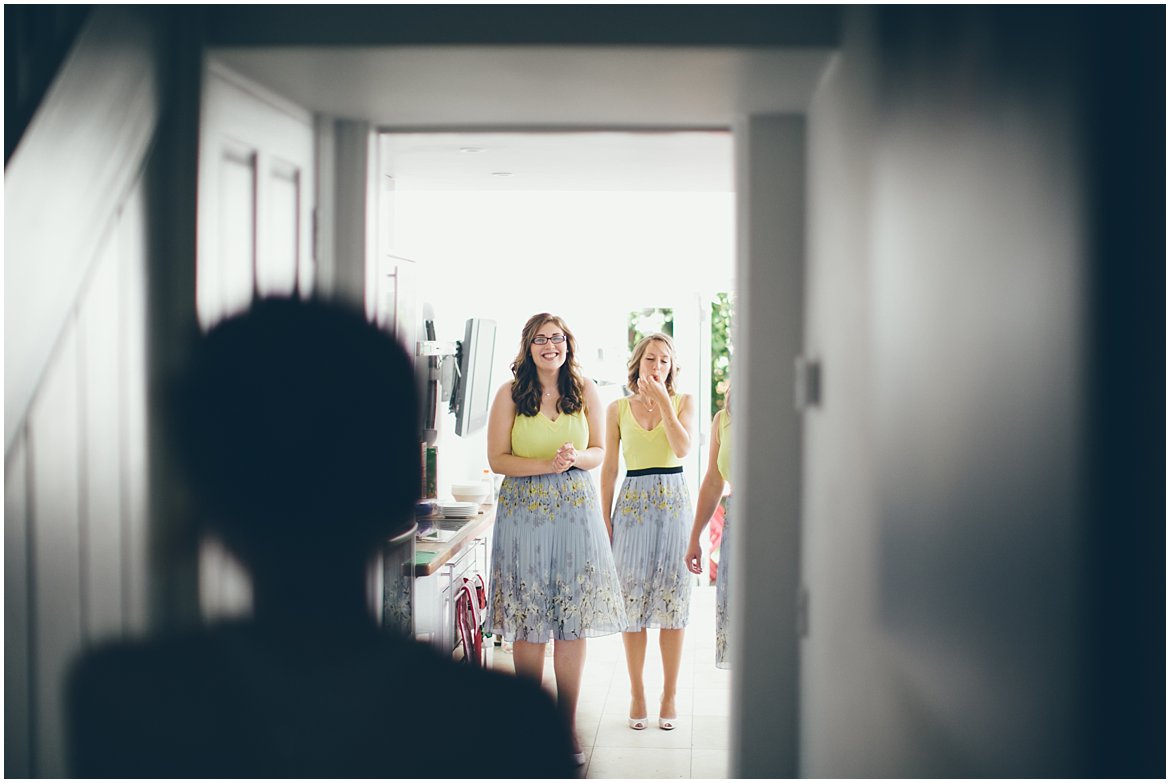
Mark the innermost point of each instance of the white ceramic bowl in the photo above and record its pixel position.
(469, 491)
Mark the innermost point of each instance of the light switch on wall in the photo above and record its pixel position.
(808, 383)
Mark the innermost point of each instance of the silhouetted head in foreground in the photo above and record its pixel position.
(297, 427)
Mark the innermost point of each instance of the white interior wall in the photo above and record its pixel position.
(75, 494)
(766, 439)
(76, 476)
(942, 494)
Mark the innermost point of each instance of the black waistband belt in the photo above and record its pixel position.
(655, 471)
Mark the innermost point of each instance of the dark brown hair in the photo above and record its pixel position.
(299, 393)
(633, 366)
(526, 384)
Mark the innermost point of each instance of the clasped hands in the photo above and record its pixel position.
(566, 457)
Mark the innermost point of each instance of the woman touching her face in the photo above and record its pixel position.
(649, 522)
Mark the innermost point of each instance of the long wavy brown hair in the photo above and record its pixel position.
(635, 364)
(526, 384)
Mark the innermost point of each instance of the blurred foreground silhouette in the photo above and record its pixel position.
(298, 432)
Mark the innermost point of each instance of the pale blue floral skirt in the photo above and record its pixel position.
(552, 572)
(722, 579)
(651, 531)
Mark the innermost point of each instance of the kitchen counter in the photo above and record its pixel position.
(430, 556)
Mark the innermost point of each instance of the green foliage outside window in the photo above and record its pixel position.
(721, 349)
(649, 321)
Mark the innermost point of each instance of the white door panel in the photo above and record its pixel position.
(101, 477)
(255, 204)
(255, 210)
(278, 251)
(230, 269)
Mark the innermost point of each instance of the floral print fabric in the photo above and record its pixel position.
(651, 528)
(552, 571)
(722, 612)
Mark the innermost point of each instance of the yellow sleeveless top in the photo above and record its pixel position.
(538, 437)
(644, 448)
(724, 458)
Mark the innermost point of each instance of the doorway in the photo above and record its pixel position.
(607, 229)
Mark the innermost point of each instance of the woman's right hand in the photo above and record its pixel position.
(694, 558)
(653, 390)
(566, 457)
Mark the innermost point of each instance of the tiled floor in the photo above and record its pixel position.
(696, 749)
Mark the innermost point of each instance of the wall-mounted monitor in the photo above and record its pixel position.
(472, 395)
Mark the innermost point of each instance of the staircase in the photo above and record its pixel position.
(36, 40)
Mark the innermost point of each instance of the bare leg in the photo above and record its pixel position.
(568, 665)
(528, 657)
(635, 644)
(670, 640)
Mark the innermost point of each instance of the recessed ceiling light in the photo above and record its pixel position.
(501, 173)
(471, 149)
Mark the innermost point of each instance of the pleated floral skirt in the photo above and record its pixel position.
(552, 571)
(651, 530)
(722, 579)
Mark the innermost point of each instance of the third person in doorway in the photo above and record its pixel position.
(648, 523)
(715, 482)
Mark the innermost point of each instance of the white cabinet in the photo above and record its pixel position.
(434, 595)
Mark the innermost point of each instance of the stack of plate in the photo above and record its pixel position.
(458, 509)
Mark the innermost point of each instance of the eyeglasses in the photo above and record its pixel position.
(556, 339)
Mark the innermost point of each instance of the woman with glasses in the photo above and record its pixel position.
(650, 521)
(552, 571)
(716, 480)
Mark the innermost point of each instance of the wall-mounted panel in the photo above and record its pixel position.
(135, 473)
(101, 531)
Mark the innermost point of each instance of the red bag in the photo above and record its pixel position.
(715, 532)
(470, 602)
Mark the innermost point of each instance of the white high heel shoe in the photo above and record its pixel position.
(665, 723)
(637, 724)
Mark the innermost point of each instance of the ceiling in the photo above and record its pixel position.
(608, 115)
(684, 161)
